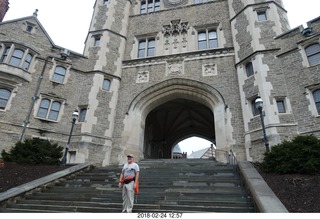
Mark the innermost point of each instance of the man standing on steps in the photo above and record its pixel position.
(129, 181)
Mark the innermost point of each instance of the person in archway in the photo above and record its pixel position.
(129, 181)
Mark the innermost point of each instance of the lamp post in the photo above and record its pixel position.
(75, 115)
(259, 105)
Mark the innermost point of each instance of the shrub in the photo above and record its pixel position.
(301, 155)
(34, 151)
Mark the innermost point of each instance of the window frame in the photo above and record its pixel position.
(56, 75)
(4, 98)
(49, 110)
(16, 59)
(27, 62)
(149, 45)
(310, 54)
(254, 110)
(283, 105)
(249, 69)
(207, 39)
(97, 40)
(262, 15)
(82, 114)
(19, 61)
(316, 99)
(103, 84)
(149, 6)
(5, 54)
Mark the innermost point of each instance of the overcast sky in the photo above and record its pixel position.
(67, 23)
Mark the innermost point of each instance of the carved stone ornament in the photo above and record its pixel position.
(143, 77)
(175, 67)
(176, 27)
(209, 70)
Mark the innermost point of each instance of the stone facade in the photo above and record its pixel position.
(164, 88)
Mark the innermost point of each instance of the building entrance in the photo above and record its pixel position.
(173, 121)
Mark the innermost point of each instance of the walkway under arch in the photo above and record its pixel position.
(172, 110)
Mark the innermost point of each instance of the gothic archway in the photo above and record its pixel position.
(194, 101)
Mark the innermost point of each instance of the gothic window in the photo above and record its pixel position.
(149, 6)
(316, 97)
(4, 97)
(106, 85)
(207, 39)
(146, 48)
(27, 62)
(16, 57)
(82, 115)
(281, 106)
(249, 69)
(59, 74)
(313, 54)
(49, 109)
(262, 15)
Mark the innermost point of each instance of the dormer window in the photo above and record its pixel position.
(29, 28)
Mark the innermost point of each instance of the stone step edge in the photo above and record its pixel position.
(19, 190)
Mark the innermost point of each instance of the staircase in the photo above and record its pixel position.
(186, 185)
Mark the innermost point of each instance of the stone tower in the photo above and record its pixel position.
(254, 26)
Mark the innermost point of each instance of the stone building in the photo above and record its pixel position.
(4, 7)
(156, 72)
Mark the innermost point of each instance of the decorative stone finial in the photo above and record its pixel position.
(35, 13)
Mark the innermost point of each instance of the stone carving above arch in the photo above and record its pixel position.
(209, 70)
(142, 77)
(175, 67)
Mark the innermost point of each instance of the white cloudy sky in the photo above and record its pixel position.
(67, 23)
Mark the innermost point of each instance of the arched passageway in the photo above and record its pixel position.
(174, 120)
(162, 115)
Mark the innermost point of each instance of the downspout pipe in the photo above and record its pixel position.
(33, 100)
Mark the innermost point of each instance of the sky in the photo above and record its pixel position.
(57, 16)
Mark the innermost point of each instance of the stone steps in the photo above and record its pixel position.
(165, 186)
